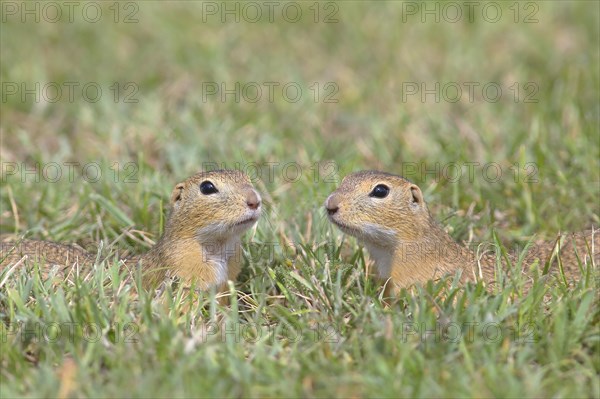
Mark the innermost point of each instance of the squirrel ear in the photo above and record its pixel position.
(417, 195)
(176, 194)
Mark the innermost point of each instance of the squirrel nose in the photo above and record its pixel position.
(253, 199)
(332, 204)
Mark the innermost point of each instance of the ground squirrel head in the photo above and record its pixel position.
(379, 208)
(213, 205)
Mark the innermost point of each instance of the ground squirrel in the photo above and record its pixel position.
(201, 242)
(388, 215)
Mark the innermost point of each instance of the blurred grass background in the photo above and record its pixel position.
(370, 54)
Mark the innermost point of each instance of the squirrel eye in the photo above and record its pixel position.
(206, 188)
(380, 191)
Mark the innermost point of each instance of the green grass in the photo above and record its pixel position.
(307, 320)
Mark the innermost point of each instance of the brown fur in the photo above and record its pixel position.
(410, 247)
(200, 244)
